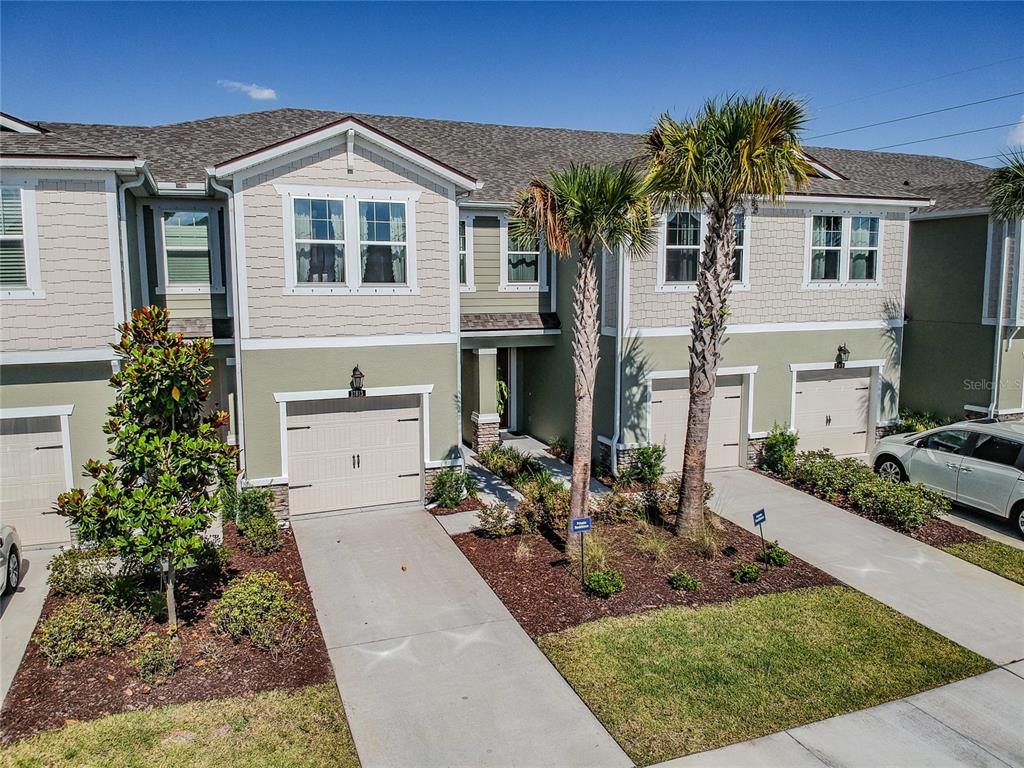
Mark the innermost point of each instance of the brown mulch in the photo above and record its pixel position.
(466, 505)
(545, 596)
(212, 666)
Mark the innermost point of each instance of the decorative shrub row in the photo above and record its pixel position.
(81, 628)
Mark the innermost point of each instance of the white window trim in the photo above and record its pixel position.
(663, 286)
(30, 244)
(504, 286)
(470, 284)
(351, 197)
(844, 280)
(163, 286)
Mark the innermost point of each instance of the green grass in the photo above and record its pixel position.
(993, 556)
(278, 729)
(674, 681)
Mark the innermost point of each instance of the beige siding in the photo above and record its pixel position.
(274, 315)
(777, 254)
(487, 275)
(74, 256)
(609, 290)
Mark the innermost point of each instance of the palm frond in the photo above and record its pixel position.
(1004, 188)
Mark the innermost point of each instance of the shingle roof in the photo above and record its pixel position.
(504, 157)
(52, 145)
(957, 196)
(510, 321)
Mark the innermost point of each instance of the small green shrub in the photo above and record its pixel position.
(653, 542)
(615, 508)
(449, 487)
(604, 584)
(253, 502)
(507, 462)
(773, 554)
(596, 553)
(915, 421)
(779, 451)
(262, 535)
(82, 571)
(213, 559)
(904, 505)
(561, 448)
(81, 628)
(156, 657)
(684, 581)
(263, 607)
(497, 520)
(545, 502)
(647, 465)
(746, 573)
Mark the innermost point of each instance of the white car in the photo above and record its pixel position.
(978, 464)
(10, 559)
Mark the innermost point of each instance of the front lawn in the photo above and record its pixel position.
(674, 681)
(993, 556)
(297, 729)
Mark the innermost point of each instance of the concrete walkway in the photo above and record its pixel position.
(432, 668)
(980, 610)
(19, 613)
(974, 722)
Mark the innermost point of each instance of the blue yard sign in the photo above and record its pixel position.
(582, 524)
(759, 517)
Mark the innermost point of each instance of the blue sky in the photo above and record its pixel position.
(607, 66)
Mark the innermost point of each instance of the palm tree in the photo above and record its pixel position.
(577, 212)
(1004, 188)
(730, 155)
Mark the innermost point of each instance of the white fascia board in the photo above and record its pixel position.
(337, 394)
(824, 366)
(127, 165)
(329, 342)
(826, 325)
(488, 205)
(11, 123)
(953, 214)
(102, 354)
(897, 202)
(232, 167)
(32, 412)
(517, 332)
(736, 370)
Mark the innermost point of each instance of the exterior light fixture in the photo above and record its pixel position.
(842, 355)
(357, 384)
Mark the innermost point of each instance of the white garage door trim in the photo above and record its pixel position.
(875, 404)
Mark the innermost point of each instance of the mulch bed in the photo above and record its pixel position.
(936, 533)
(466, 505)
(545, 596)
(212, 666)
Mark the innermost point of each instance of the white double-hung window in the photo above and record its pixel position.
(843, 249)
(19, 249)
(681, 243)
(188, 242)
(523, 262)
(319, 240)
(383, 242)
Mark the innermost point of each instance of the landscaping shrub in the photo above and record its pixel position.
(450, 486)
(773, 554)
(653, 542)
(827, 476)
(497, 520)
(262, 535)
(647, 465)
(82, 571)
(596, 553)
(616, 508)
(81, 628)
(156, 657)
(915, 421)
(684, 581)
(262, 606)
(507, 462)
(746, 573)
(253, 502)
(213, 559)
(545, 502)
(604, 584)
(561, 448)
(523, 550)
(904, 505)
(779, 451)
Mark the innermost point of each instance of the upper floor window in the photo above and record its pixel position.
(682, 247)
(739, 252)
(13, 262)
(382, 241)
(462, 252)
(319, 240)
(844, 249)
(187, 248)
(524, 260)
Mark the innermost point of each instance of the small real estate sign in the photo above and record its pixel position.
(582, 524)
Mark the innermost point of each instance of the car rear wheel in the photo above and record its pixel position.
(13, 571)
(889, 468)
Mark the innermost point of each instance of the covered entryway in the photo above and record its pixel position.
(670, 400)
(353, 452)
(831, 410)
(32, 474)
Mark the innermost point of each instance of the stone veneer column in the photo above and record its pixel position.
(485, 418)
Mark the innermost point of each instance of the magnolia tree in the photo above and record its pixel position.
(158, 491)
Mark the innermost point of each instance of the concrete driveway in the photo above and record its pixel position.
(432, 668)
(19, 613)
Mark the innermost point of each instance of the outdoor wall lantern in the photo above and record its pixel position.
(357, 384)
(842, 355)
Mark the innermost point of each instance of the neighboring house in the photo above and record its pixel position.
(959, 258)
(309, 244)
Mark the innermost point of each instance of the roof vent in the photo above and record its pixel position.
(906, 183)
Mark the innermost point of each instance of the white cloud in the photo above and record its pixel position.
(253, 91)
(1016, 133)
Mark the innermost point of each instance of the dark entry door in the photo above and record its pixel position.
(505, 375)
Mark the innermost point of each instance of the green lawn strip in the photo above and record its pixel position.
(277, 729)
(674, 681)
(993, 556)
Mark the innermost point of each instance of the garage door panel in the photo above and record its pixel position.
(832, 410)
(32, 474)
(669, 405)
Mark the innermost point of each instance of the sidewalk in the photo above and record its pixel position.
(980, 610)
(19, 613)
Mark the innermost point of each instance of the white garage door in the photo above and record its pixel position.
(353, 452)
(669, 402)
(832, 410)
(31, 476)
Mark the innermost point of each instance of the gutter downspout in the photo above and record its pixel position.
(232, 250)
(126, 285)
(617, 408)
(998, 352)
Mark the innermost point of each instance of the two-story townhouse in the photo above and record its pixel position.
(963, 351)
(370, 307)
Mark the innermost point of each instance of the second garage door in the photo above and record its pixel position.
(832, 410)
(669, 403)
(31, 476)
(353, 452)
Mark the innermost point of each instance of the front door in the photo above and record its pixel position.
(504, 393)
(936, 460)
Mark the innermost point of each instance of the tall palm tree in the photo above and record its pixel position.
(1004, 188)
(733, 153)
(577, 212)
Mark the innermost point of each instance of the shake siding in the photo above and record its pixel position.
(609, 289)
(274, 315)
(74, 259)
(995, 264)
(777, 254)
(487, 275)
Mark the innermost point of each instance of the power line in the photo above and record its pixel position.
(919, 114)
(944, 136)
(992, 157)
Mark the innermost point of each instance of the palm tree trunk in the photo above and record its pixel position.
(172, 606)
(710, 314)
(585, 359)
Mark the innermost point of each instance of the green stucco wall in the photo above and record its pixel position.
(265, 372)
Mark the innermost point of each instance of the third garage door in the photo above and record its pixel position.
(669, 403)
(32, 474)
(353, 452)
(832, 410)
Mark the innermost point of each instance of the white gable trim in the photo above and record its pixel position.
(11, 123)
